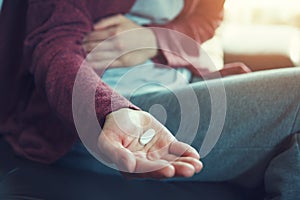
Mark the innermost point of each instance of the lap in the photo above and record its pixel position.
(256, 115)
(261, 114)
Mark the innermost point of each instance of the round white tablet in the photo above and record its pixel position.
(147, 136)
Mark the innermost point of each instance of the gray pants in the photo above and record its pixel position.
(259, 141)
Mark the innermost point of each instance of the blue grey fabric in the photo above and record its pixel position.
(260, 138)
(1, 2)
(155, 11)
(145, 78)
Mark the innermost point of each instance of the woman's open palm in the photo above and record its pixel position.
(164, 156)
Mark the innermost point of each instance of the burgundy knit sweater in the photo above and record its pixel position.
(39, 64)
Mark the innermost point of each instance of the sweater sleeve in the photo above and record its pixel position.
(198, 20)
(54, 54)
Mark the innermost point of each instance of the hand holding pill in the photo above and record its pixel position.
(142, 147)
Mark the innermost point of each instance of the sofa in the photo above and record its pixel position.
(263, 46)
(21, 179)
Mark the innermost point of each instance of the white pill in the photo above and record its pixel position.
(147, 136)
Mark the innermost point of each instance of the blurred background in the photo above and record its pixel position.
(264, 34)
(276, 12)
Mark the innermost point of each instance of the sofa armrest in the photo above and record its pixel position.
(261, 47)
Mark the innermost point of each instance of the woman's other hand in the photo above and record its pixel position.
(116, 49)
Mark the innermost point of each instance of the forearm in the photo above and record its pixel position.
(53, 42)
(198, 20)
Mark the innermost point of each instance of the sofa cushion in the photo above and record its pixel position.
(261, 47)
(22, 179)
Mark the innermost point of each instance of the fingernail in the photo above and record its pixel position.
(199, 170)
(171, 172)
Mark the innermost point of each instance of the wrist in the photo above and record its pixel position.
(152, 42)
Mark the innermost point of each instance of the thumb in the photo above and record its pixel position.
(109, 21)
(116, 153)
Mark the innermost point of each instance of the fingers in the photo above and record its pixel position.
(99, 39)
(101, 56)
(90, 46)
(106, 45)
(104, 59)
(197, 164)
(117, 154)
(239, 65)
(144, 165)
(183, 169)
(183, 149)
(192, 161)
(100, 35)
(125, 160)
(166, 172)
(109, 21)
(158, 169)
(106, 64)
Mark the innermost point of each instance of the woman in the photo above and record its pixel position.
(41, 125)
(45, 112)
